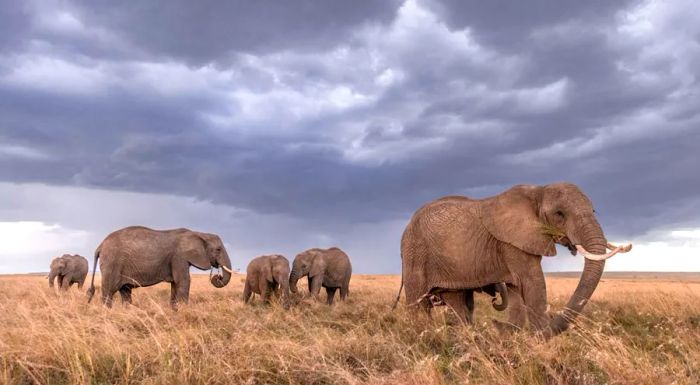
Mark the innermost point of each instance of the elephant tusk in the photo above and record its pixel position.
(623, 249)
(227, 269)
(602, 257)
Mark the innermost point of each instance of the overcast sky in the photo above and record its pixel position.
(293, 124)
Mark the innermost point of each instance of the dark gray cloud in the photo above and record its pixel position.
(212, 30)
(13, 25)
(339, 116)
(509, 26)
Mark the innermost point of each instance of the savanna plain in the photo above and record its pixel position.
(637, 329)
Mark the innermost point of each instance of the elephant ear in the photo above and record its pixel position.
(513, 217)
(193, 248)
(318, 264)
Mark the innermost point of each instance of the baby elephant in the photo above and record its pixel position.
(329, 268)
(267, 274)
(69, 269)
(455, 298)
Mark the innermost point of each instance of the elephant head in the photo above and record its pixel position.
(204, 251)
(58, 266)
(534, 218)
(310, 262)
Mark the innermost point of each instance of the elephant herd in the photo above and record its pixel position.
(137, 256)
(452, 247)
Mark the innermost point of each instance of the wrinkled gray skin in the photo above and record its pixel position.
(267, 275)
(69, 269)
(329, 268)
(138, 256)
(457, 243)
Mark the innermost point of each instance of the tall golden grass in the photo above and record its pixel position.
(642, 331)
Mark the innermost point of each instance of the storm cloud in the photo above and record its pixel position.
(339, 119)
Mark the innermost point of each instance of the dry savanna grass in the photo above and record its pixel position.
(636, 330)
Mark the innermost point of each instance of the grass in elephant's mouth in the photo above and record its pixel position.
(641, 331)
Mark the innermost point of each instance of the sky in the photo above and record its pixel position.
(287, 125)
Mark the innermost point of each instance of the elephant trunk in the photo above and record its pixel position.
(52, 277)
(221, 280)
(293, 278)
(285, 294)
(593, 241)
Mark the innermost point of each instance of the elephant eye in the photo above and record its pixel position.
(560, 213)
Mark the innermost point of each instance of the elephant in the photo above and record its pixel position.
(138, 256)
(266, 274)
(329, 268)
(69, 269)
(456, 243)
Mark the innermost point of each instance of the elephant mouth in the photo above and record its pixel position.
(566, 242)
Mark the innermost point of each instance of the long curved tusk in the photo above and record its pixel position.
(227, 269)
(623, 249)
(598, 257)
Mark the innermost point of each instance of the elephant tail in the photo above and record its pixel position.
(91, 291)
(398, 296)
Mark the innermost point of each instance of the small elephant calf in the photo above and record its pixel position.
(329, 268)
(265, 275)
(69, 269)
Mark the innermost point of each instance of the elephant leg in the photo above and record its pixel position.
(315, 285)
(65, 283)
(535, 298)
(181, 279)
(456, 301)
(107, 295)
(125, 292)
(330, 294)
(529, 278)
(469, 301)
(263, 287)
(183, 289)
(533, 291)
(110, 285)
(247, 292)
(516, 308)
(344, 292)
(173, 295)
(80, 283)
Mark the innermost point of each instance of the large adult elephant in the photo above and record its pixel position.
(329, 268)
(138, 256)
(267, 274)
(69, 269)
(455, 243)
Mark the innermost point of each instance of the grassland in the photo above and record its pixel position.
(636, 330)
